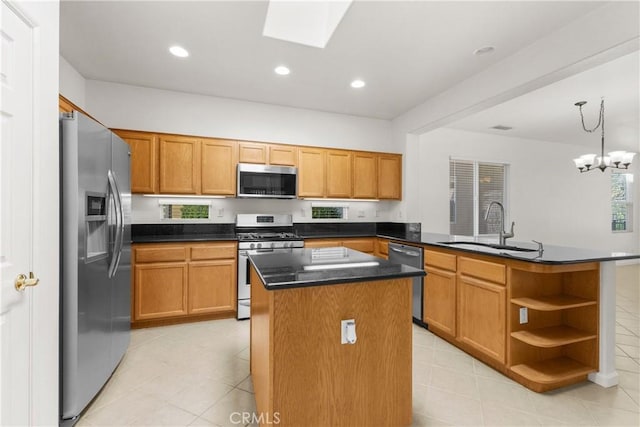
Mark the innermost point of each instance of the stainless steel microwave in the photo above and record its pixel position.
(269, 182)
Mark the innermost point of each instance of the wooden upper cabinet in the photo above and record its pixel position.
(390, 176)
(283, 155)
(311, 172)
(179, 165)
(144, 160)
(64, 105)
(365, 175)
(219, 160)
(338, 174)
(271, 154)
(252, 152)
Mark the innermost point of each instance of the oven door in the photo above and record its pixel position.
(244, 287)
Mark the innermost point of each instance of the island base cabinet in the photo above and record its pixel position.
(304, 375)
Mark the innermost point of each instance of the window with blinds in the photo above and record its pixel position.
(621, 202)
(472, 187)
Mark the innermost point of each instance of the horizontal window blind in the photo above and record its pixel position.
(472, 188)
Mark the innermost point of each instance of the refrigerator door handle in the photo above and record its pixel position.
(115, 258)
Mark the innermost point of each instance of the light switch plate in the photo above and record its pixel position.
(524, 315)
(343, 330)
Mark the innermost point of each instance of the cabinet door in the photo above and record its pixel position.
(390, 176)
(212, 286)
(322, 243)
(160, 290)
(366, 245)
(482, 316)
(382, 248)
(440, 300)
(311, 172)
(144, 160)
(179, 165)
(219, 162)
(338, 173)
(365, 175)
(283, 155)
(252, 152)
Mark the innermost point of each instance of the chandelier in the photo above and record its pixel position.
(614, 159)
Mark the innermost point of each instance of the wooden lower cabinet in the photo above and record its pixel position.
(362, 244)
(439, 300)
(474, 302)
(482, 316)
(212, 296)
(174, 283)
(382, 248)
(160, 290)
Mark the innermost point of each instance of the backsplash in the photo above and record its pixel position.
(146, 210)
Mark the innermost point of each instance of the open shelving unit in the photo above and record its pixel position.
(558, 345)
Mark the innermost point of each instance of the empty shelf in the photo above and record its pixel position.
(553, 302)
(553, 370)
(553, 336)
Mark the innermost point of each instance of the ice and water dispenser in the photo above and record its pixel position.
(97, 244)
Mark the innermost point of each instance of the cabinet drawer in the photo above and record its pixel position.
(482, 269)
(160, 254)
(220, 251)
(362, 245)
(439, 260)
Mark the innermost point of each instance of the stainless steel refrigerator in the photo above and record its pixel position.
(95, 235)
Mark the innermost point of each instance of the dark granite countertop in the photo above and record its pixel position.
(164, 238)
(162, 233)
(297, 268)
(550, 255)
(401, 232)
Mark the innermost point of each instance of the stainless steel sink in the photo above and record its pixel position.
(488, 247)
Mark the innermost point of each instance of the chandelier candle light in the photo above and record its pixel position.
(615, 159)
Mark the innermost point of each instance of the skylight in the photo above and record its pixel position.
(307, 23)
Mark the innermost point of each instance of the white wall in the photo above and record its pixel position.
(72, 84)
(549, 199)
(134, 107)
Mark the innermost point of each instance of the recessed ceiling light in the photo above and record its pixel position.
(484, 50)
(282, 70)
(357, 84)
(179, 51)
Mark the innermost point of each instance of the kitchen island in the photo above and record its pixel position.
(544, 316)
(302, 372)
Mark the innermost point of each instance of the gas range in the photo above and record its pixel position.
(258, 231)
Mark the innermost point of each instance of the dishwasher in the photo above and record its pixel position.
(412, 256)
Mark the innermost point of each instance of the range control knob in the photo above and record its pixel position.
(272, 245)
(251, 246)
(259, 245)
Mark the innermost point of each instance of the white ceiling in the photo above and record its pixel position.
(406, 51)
(549, 113)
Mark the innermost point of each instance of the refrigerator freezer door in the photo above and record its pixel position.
(121, 281)
(85, 287)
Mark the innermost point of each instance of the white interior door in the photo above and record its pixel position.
(16, 217)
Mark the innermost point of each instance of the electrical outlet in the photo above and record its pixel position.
(399, 214)
(524, 315)
(302, 212)
(377, 213)
(360, 214)
(220, 212)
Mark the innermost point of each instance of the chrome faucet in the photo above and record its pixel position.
(503, 235)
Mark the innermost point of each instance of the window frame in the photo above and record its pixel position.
(476, 193)
(628, 202)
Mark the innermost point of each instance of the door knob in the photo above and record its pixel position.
(22, 281)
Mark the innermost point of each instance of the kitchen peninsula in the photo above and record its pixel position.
(303, 371)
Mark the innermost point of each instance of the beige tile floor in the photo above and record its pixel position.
(198, 375)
